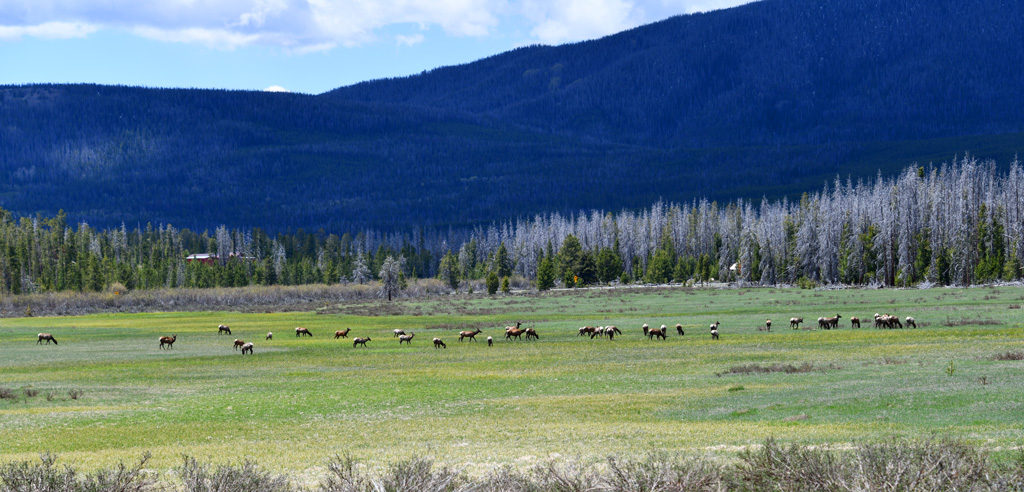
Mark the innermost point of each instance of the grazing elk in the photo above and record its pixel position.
(645, 328)
(767, 325)
(238, 343)
(530, 332)
(299, 331)
(223, 329)
(357, 341)
(890, 321)
(438, 343)
(714, 330)
(398, 333)
(342, 333)
(657, 332)
(270, 335)
(168, 341)
(794, 323)
(854, 322)
(911, 322)
(511, 333)
(829, 323)
(46, 336)
(247, 348)
(406, 338)
(586, 330)
(490, 341)
(471, 335)
(612, 329)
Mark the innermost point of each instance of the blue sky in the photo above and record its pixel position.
(300, 45)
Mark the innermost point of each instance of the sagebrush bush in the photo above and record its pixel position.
(46, 476)
(246, 477)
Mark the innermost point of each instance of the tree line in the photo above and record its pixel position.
(953, 224)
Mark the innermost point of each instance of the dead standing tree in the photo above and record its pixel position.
(391, 276)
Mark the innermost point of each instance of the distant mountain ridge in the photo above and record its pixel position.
(766, 99)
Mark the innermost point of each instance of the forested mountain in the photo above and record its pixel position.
(767, 99)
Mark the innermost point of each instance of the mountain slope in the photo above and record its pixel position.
(767, 99)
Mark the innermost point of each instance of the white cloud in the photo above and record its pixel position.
(304, 26)
(276, 88)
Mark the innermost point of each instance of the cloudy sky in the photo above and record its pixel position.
(299, 45)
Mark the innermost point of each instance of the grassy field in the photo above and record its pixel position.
(298, 401)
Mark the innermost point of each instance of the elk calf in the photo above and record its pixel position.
(299, 331)
(46, 336)
(406, 338)
(223, 329)
(168, 341)
(342, 333)
(438, 343)
(239, 343)
(247, 348)
(357, 341)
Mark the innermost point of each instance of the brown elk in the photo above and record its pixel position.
(911, 322)
(406, 338)
(438, 343)
(586, 330)
(767, 326)
(471, 335)
(223, 329)
(357, 341)
(247, 348)
(612, 329)
(530, 332)
(714, 330)
(490, 341)
(238, 343)
(679, 329)
(46, 336)
(511, 333)
(794, 323)
(299, 331)
(398, 333)
(854, 322)
(645, 328)
(890, 321)
(270, 335)
(516, 327)
(829, 323)
(657, 332)
(168, 341)
(342, 333)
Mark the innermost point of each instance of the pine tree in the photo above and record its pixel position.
(545, 274)
(492, 282)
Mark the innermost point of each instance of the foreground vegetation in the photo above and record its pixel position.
(296, 402)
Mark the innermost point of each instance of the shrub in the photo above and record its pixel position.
(505, 288)
(247, 477)
(46, 476)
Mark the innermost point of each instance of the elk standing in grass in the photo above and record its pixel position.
(438, 343)
(239, 343)
(714, 330)
(829, 323)
(247, 348)
(398, 333)
(645, 328)
(514, 332)
(530, 332)
(657, 332)
(490, 341)
(270, 335)
(168, 341)
(767, 326)
(46, 336)
(357, 341)
(223, 329)
(794, 323)
(911, 322)
(854, 322)
(471, 335)
(299, 331)
(679, 329)
(406, 338)
(342, 333)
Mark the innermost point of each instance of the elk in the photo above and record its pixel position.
(889, 321)
(398, 333)
(471, 335)
(911, 322)
(299, 331)
(530, 332)
(168, 341)
(794, 323)
(247, 348)
(239, 343)
(679, 329)
(406, 338)
(357, 341)
(438, 343)
(714, 330)
(612, 329)
(342, 333)
(767, 325)
(854, 322)
(490, 341)
(46, 336)
(586, 330)
(598, 332)
(270, 335)
(829, 323)
(657, 332)
(223, 329)
(645, 328)
(511, 333)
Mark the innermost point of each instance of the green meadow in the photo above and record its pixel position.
(298, 401)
